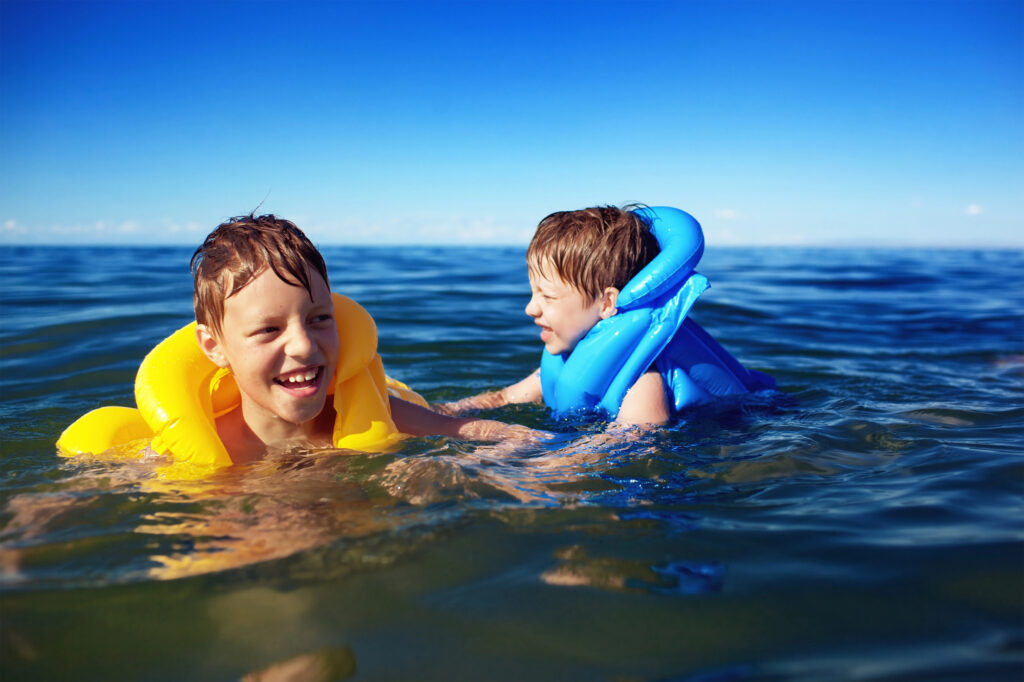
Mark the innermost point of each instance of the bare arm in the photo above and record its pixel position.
(419, 421)
(645, 402)
(526, 391)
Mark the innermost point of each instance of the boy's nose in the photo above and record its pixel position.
(532, 309)
(300, 342)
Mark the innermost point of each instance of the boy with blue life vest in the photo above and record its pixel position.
(611, 290)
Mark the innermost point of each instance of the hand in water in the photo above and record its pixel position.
(507, 437)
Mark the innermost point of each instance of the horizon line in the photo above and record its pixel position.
(836, 244)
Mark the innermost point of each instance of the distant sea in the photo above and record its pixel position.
(864, 523)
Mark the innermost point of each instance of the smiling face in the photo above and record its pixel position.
(563, 312)
(282, 349)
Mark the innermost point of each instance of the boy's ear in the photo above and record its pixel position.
(609, 297)
(210, 346)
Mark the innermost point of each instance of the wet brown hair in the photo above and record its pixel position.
(593, 248)
(239, 250)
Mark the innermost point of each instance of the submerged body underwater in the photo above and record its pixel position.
(863, 523)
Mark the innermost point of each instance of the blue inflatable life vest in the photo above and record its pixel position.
(650, 327)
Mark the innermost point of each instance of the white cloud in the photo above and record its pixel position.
(727, 214)
(126, 231)
(172, 227)
(99, 227)
(973, 210)
(483, 229)
(12, 226)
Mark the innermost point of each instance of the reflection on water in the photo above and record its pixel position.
(299, 499)
(577, 568)
(324, 665)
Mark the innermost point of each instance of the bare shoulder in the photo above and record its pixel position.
(645, 402)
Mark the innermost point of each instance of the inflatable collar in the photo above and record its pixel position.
(650, 328)
(180, 393)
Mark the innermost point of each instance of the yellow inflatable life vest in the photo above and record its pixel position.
(180, 394)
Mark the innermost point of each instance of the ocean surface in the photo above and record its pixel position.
(863, 523)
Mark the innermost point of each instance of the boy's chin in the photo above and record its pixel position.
(557, 349)
(307, 413)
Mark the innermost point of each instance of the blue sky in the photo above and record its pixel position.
(854, 122)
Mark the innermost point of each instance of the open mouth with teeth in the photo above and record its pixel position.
(306, 378)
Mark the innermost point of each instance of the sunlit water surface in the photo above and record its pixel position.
(865, 523)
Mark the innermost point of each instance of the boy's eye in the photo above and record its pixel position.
(326, 317)
(266, 330)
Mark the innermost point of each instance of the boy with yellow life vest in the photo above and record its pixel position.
(271, 344)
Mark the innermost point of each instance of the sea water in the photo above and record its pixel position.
(863, 523)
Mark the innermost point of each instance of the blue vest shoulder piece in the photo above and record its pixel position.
(650, 327)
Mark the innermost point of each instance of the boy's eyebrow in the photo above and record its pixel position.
(262, 318)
